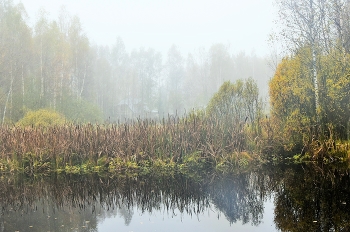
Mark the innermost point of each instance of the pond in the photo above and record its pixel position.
(271, 198)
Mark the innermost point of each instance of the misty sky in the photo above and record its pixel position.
(190, 24)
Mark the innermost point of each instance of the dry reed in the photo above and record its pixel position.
(37, 148)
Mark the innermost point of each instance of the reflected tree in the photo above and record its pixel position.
(239, 198)
(60, 202)
(313, 199)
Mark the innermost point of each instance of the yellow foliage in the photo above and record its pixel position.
(291, 89)
(42, 117)
(292, 97)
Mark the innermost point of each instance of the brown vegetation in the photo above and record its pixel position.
(34, 149)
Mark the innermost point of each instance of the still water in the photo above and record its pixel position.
(271, 198)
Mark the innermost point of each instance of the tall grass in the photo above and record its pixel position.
(38, 149)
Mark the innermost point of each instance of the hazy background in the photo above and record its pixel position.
(115, 60)
(244, 25)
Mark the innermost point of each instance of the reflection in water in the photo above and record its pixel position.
(240, 198)
(310, 198)
(306, 197)
(78, 203)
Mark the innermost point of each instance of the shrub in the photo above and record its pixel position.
(42, 117)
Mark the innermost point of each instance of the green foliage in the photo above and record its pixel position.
(293, 102)
(236, 110)
(193, 162)
(234, 162)
(194, 115)
(335, 91)
(291, 89)
(225, 100)
(236, 102)
(79, 110)
(42, 117)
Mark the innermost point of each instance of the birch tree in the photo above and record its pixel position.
(323, 27)
(305, 25)
(14, 53)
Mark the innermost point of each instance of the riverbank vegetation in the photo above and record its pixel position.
(196, 143)
(300, 127)
(230, 135)
(310, 91)
(52, 110)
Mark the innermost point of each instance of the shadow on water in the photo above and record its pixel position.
(306, 198)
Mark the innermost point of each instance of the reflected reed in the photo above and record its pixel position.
(92, 197)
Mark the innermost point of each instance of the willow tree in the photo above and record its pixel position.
(235, 104)
(292, 101)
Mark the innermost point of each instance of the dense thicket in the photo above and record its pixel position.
(310, 91)
(54, 65)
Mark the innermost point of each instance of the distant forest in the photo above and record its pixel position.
(54, 65)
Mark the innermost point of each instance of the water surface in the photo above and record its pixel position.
(271, 198)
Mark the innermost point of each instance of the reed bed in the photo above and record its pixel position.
(45, 149)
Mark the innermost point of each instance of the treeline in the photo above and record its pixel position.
(54, 65)
(310, 91)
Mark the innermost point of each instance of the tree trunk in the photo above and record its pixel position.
(41, 70)
(7, 99)
(314, 75)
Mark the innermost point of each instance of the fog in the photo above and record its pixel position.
(158, 24)
(116, 60)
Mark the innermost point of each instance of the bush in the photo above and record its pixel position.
(42, 117)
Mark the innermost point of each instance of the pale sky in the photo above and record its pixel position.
(190, 24)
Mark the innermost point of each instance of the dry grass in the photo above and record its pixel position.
(35, 148)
